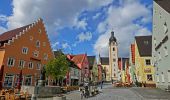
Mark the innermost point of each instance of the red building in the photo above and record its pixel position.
(26, 48)
(82, 63)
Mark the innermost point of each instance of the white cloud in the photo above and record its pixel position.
(2, 30)
(102, 27)
(56, 13)
(96, 16)
(65, 46)
(121, 20)
(84, 36)
(80, 24)
(3, 18)
(54, 45)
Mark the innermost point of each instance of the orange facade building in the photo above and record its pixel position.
(26, 48)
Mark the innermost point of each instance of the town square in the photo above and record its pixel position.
(84, 50)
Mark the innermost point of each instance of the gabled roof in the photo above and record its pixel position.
(165, 4)
(77, 59)
(144, 44)
(12, 33)
(104, 60)
(91, 60)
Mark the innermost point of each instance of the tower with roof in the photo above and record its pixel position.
(113, 57)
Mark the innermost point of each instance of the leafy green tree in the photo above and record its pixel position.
(57, 67)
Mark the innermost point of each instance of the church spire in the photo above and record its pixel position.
(112, 38)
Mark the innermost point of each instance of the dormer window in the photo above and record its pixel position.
(37, 43)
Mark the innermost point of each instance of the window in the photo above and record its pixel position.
(36, 53)
(24, 50)
(39, 30)
(148, 62)
(159, 55)
(11, 61)
(169, 76)
(21, 63)
(45, 56)
(166, 51)
(163, 78)
(28, 80)
(149, 77)
(157, 78)
(31, 38)
(146, 42)
(155, 42)
(113, 49)
(165, 28)
(38, 66)
(160, 15)
(37, 43)
(30, 65)
(114, 60)
(17, 80)
(44, 44)
(8, 81)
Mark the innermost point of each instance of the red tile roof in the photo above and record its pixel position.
(12, 33)
(77, 59)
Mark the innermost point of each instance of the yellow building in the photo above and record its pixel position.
(143, 60)
(104, 62)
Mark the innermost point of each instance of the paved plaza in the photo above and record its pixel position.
(111, 93)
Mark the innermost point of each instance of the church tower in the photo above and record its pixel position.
(113, 57)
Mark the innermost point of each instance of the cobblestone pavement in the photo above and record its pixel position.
(110, 93)
(152, 93)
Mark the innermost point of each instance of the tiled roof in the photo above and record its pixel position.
(104, 60)
(144, 44)
(165, 4)
(91, 60)
(77, 59)
(12, 33)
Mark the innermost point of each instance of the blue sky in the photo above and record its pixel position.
(82, 26)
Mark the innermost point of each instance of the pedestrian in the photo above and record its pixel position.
(101, 84)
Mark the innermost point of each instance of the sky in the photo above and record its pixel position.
(82, 26)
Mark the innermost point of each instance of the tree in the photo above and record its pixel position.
(57, 67)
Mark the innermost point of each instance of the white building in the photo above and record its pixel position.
(161, 43)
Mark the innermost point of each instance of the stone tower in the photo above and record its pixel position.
(113, 57)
